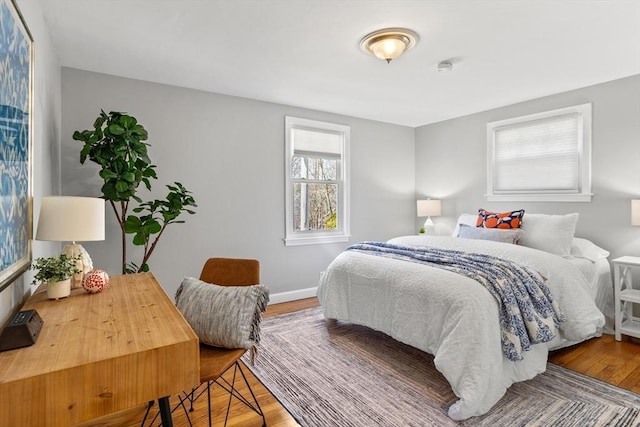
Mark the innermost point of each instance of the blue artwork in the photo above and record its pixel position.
(15, 90)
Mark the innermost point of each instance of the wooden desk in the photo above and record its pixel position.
(98, 354)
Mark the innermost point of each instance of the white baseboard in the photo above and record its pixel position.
(292, 295)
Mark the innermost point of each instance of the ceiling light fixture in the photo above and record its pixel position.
(389, 43)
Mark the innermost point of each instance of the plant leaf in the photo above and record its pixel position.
(121, 186)
(139, 239)
(116, 129)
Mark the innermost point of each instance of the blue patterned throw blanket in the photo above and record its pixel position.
(528, 313)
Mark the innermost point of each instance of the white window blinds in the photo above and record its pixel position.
(539, 155)
(544, 156)
(317, 142)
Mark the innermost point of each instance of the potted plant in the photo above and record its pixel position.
(56, 272)
(116, 144)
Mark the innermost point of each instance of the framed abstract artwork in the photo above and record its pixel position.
(16, 104)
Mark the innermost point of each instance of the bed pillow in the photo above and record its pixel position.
(464, 219)
(493, 234)
(223, 316)
(549, 233)
(505, 220)
(583, 248)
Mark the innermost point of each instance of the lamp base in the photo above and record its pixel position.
(84, 263)
(429, 226)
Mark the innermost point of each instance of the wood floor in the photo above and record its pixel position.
(604, 358)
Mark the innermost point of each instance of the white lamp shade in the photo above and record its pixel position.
(71, 219)
(635, 212)
(429, 207)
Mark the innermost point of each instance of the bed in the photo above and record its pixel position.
(454, 318)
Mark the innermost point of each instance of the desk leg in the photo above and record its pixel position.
(165, 411)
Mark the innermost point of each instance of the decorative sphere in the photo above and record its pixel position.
(95, 281)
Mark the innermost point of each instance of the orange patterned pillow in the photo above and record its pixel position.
(511, 219)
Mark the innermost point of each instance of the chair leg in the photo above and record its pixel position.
(233, 383)
(184, 407)
(209, 401)
(230, 388)
(146, 414)
(233, 392)
(155, 416)
(191, 400)
(253, 396)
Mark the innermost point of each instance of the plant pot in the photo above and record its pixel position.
(57, 290)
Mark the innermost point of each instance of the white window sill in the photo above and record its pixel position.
(539, 197)
(316, 240)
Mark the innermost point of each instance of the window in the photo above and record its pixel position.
(317, 191)
(541, 157)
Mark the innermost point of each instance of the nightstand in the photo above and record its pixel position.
(625, 296)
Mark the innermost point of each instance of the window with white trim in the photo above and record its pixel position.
(317, 187)
(541, 157)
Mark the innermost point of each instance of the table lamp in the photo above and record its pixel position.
(635, 212)
(428, 208)
(72, 219)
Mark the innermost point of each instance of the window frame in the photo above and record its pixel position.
(310, 237)
(584, 159)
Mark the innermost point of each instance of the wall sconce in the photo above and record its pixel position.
(71, 219)
(429, 208)
(389, 43)
(635, 212)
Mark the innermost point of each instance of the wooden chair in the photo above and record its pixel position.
(215, 361)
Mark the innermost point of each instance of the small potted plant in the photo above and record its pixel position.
(56, 272)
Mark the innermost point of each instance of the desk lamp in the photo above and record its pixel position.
(72, 219)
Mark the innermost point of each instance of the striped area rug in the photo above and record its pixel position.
(330, 373)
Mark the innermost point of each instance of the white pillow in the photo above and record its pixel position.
(466, 219)
(583, 248)
(493, 234)
(549, 233)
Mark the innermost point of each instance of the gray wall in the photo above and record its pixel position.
(46, 143)
(451, 163)
(229, 152)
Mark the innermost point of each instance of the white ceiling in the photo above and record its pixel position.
(306, 53)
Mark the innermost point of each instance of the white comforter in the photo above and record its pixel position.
(454, 317)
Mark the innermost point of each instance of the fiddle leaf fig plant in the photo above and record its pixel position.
(116, 144)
